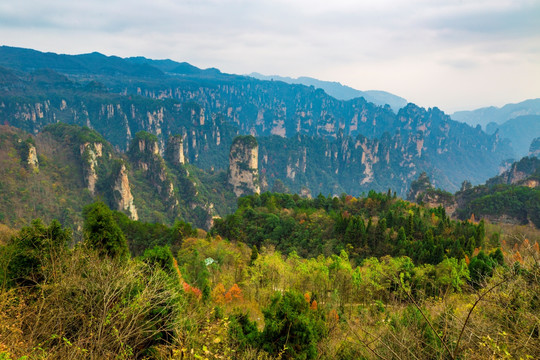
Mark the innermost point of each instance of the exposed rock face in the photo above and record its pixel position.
(519, 173)
(32, 157)
(434, 199)
(90, 152)
(122, 194)
(175, 150)
(144, 152)
(211, 111)
(148, 146)
(532, 183)
(243, 165)
(305, 193)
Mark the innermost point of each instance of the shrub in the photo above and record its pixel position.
(32, 254)
(291, 327)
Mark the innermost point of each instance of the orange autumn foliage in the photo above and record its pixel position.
(518, 258)
(188, 289)
(234, 294)
(218, 294)
(177, 269)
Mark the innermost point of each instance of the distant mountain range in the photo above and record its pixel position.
(484, 116)
(521, 131)
(339, 91)
(307, 138)
(519, 123)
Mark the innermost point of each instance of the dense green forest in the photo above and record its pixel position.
(284, 277)
(376, 225)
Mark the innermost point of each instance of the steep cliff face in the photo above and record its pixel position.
(175, 150)
(90, 152)
(119, 180)
(55, 191)
(360, 140)
(122, 193)
(144, 153)
(243, 166)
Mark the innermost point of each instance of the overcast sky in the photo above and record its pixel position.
(453, 54)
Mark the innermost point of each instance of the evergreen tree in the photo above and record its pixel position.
(102, 233)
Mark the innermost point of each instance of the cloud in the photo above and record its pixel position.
(393, 45)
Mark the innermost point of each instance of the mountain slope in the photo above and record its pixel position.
(511, 197)
(53, 174)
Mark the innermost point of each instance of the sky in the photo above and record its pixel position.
(453, 54)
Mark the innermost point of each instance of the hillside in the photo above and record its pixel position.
(327, 278)
(512, 197)
(54, 174)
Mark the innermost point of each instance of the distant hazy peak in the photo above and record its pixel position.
(340, 91)
(486, 115)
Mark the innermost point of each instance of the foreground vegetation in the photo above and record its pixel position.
(284, 277)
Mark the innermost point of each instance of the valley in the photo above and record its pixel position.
(150, 209)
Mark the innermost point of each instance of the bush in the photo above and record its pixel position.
(98, 308)
(481, 267)
(244, 331)
(160, 256)
(291, 327)
(32, 254)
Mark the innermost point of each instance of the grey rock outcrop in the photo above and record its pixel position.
(90, 152)
(122, 194)
(243, 166)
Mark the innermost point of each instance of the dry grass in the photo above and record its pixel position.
(96, 309)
